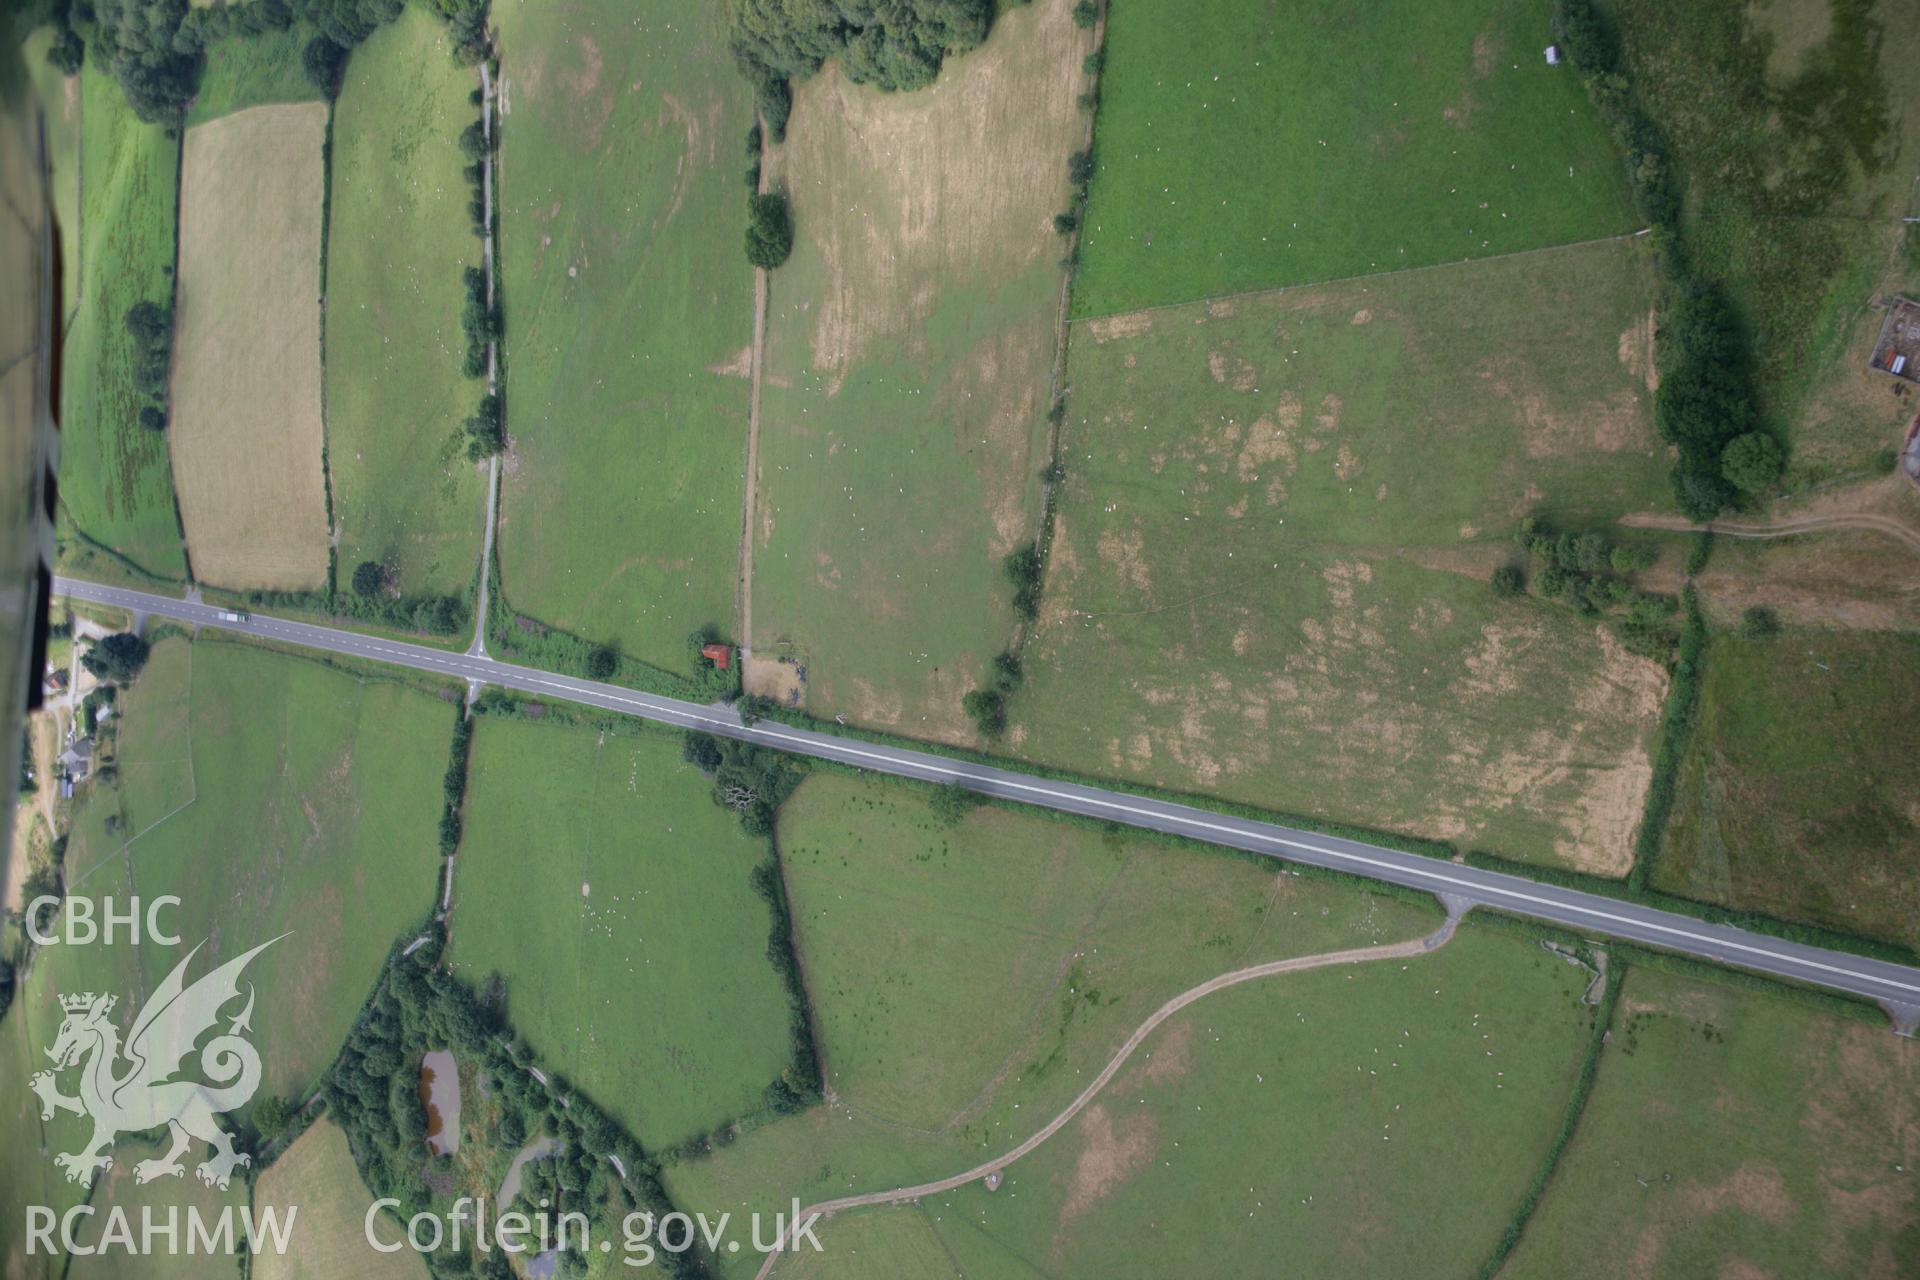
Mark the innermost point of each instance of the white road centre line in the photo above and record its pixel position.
(1487, 888)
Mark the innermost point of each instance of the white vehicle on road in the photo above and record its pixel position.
(233, 615)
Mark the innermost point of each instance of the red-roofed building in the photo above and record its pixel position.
(720, 655)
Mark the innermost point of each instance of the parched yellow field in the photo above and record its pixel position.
(247, 434)
(1280, 513)
(316, 1176)
(910, 347)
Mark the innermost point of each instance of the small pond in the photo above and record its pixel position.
(440, 1095)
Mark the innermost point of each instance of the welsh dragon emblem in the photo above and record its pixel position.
(144, 1094)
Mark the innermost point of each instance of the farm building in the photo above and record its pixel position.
(720, 655)
(77, 760)
(1897, 352)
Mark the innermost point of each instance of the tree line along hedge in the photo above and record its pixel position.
(890, 44)
(1705, 407)
(156, 49)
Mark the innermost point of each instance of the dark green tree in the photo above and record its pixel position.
(602, 662)
(116, 658)
(769, 230)
(1023, 568)
(68, 52)
(1752, 462)
(148, 322)
(757, 818)
(951, 803)
(1699, 553)
(1699, 490)
(325, 62)
(893, 44)
(988, 708)
(271, 1115)
(487, 429)
(700, 751)
(1759, 623)
(369, 578)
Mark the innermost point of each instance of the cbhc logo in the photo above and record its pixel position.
(82, 929)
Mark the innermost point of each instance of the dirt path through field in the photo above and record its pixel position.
(744, 633)
(757, 360)
(1900, 531)
(1273, 290)
(1361, 955)
(479, 646)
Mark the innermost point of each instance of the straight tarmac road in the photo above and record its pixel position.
(1897, 987)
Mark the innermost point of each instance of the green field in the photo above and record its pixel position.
(1796, 797)
(151, 743)
(1269, 575)
(968, 981)
(1735, 1135)
(115, 483)
(622, 212)
(1796, 161)
(1838, 579)
(892, 1245)
(28, 1175)
(308, 808)
(1243, 150)
(118, 1190)
(1377, 1121)
(316, 1176)
(247, 72)
(932, 952)
(601, 882)
(404, 493)
(909, 366)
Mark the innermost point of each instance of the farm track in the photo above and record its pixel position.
(744, 637)
(1269, 291)
(479, 646)
(1901, 532)
(1297, 964)
(757, 360)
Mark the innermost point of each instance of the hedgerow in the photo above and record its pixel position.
(896, 45)
(1569, 1121)
(1706, 401)
(454, 784)
(1676, 731)
(799, 1085)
